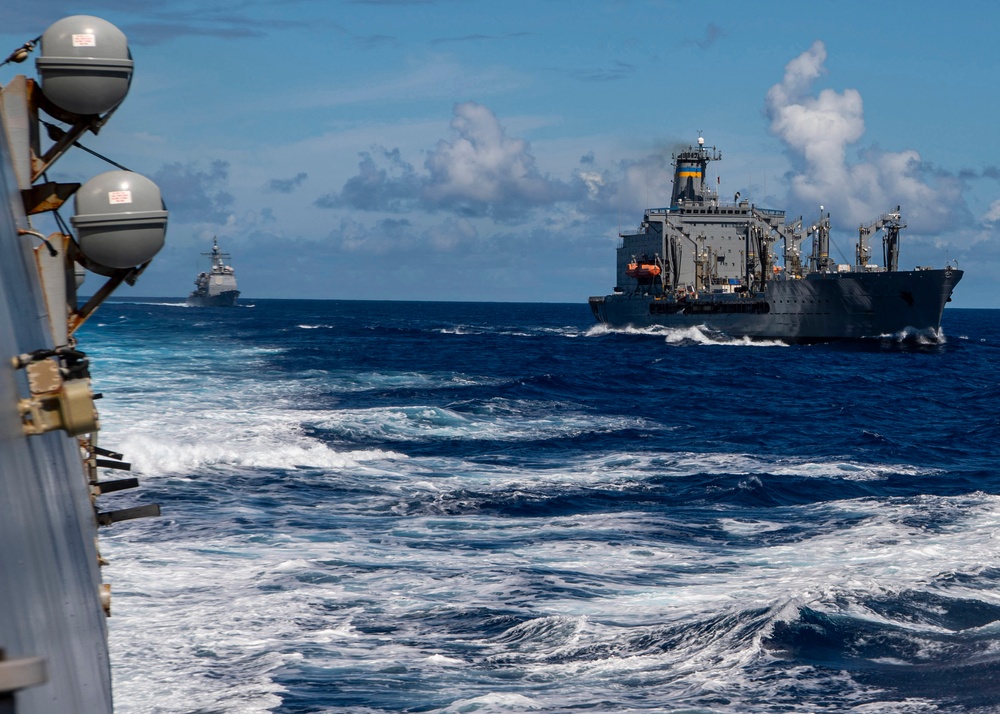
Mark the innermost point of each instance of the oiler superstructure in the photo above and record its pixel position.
(741, 270)
(53, 483)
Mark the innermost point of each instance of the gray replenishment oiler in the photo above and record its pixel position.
(53, 635)
(703, 262)
(216, 288)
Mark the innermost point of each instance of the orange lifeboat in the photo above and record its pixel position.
(642, 271)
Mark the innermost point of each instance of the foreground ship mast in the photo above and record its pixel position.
(705, 262)
(53, 635)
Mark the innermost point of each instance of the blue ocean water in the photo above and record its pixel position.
(462, 507)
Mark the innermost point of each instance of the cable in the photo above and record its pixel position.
(26, 232)
(78, 145)
(56, 133)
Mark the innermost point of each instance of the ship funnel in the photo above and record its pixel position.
(85, 65)
(120, 220)
(690, 169)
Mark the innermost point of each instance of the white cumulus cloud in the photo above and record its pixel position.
(819, 128)
(993, 212)
(480, 171)
(482, 164)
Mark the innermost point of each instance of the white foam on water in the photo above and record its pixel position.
(747, 526)
(186, 635)
(880, 554)
(626, 466)
(445, 661)
(149, 302)
(213, 616)
(601, 329)
(203, 416)
(699, 335)
(926, 336)
(361, 381)
(493, 703)
(153, 456)
(564, 331)
(684, 617)
(703, 336)
(434, 422)
(185, 434)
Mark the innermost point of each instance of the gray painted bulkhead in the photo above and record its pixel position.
(49, 575)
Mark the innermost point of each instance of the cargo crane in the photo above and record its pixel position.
(891, 224)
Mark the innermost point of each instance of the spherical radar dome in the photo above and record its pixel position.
(85, 65)
(120, 220)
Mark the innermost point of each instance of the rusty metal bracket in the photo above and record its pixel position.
(55, 402)
(47, 196)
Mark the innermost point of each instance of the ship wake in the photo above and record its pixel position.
(931, 336)
(696, 335)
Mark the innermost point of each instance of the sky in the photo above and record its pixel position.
(493, 151)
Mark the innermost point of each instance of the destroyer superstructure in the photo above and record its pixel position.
(53, 636)
(217, 287)
(740, 269)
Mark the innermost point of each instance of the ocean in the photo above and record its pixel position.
(479, 507)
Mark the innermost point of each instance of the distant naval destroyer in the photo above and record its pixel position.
(216, 288)
(704, 262)
(53, 636)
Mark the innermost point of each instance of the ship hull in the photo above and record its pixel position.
(224, 299)
(50, 580)
(819, 307)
